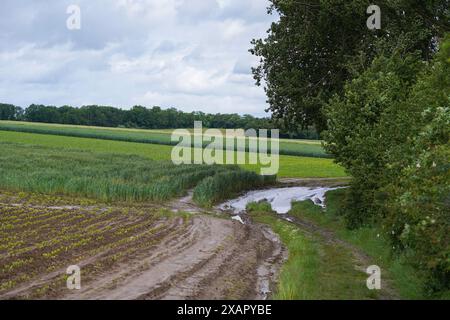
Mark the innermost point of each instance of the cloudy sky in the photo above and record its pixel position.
(188, 54)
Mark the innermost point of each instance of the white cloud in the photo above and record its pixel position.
(188, 54)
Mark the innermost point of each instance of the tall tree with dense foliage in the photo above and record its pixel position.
(317, 45)
(358, 133)
(381, 99)
(419, 213)
(391, 131)
(10, 112)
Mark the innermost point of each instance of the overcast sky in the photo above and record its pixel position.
(188, 54)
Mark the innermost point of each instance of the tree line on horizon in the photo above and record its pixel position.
(144, 118)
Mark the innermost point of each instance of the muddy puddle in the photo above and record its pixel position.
(280, 198)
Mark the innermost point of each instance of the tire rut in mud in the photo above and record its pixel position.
(140, 255)
(213, 259)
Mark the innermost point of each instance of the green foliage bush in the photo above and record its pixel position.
(316, 46)
(391, 131)
(420, 211)
(363, 125)
(259, 207)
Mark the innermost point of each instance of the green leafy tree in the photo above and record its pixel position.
(419, 214)
(391, 131)
(10, 112)
(358, 133)
(317, 45)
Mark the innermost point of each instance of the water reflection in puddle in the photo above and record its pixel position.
(280, 198)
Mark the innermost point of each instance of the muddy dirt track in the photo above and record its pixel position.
(169, 257)
(211, 259)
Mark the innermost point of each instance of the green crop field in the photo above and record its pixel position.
(109, 176)
(290, 166)
(287, 147)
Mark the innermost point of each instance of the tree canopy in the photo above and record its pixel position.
(317, 45)
(381, 99)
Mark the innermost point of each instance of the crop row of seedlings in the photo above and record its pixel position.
(74, 237)
(121, 252)
(39, 200)
(68, 236)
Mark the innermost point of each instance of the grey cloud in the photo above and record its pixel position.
(177, 53)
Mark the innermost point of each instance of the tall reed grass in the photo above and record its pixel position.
(104, 176)
(225, 185)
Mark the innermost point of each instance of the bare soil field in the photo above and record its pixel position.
(132, 252)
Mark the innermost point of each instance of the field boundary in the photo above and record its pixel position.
(161, 139)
